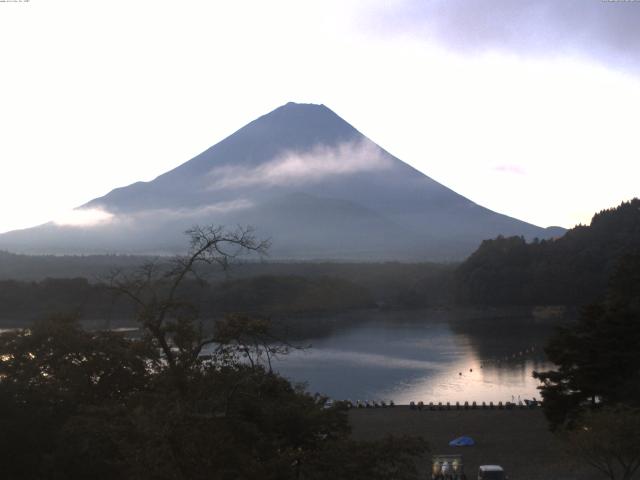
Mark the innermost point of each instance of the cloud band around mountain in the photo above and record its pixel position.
(298, 168)
(100, 217)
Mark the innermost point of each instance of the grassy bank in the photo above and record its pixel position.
(519, 440)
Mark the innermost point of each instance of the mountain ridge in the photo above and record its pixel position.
(295, 149)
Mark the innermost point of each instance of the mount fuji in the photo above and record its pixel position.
(300, 175)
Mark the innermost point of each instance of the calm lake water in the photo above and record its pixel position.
(433, 356)
(424, 355)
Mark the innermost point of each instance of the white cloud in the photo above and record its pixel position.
(606, 30)
(83, 217)
(214, 208)
(82, 117)
(97, 217)
(513, 169)
(296, 168)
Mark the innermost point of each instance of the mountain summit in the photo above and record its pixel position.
(300, 175)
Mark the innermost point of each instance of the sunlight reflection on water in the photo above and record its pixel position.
(403, 360)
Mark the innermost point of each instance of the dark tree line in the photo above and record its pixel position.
(592, 397)
(571, 270)
(598, 357)
(264, 295)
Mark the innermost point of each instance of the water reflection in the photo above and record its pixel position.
(429, 356)
(438, 356)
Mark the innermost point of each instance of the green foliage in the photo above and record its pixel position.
(258, 287)
(76, 404)
(433, 288)
(48, 374)
(263, 295)
(598, 357)
(571, 270)
(350, 460)
(270, 294)
(608, 440)
(32, 300)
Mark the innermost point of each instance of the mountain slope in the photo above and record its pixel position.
(305, 178)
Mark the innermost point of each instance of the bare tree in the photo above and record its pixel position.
(609, 441)
(171, 323)
(252, 339)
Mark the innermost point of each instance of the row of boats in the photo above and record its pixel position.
(437, 406)
(363, 404)
(440, 405)
(473, 405)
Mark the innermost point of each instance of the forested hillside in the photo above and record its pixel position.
(35, 286)
(572, 269)
(261, 295)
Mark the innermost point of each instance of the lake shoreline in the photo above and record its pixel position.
(403, 355)
(468, 312)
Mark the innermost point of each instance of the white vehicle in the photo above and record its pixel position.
(491, 472)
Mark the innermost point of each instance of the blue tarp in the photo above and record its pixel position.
(462, 442)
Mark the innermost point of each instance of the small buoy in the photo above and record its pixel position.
(471, 369)
(460, 373)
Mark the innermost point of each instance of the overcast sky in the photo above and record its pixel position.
(527, 107)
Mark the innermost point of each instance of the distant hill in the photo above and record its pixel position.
(303, 177)
(386, 284)
(280, 295)
(573, 269)
(38, 267)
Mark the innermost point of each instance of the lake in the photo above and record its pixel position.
(424, 355)
(433, 356)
